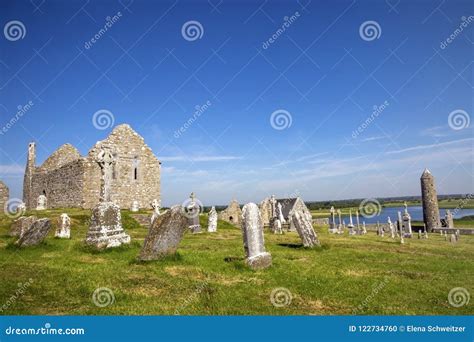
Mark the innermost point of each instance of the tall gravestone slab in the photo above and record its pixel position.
(20, 225)
(105, 229)
(254, 245)
(165, 234)
(35, 233)
(305, 229)
(212, 220)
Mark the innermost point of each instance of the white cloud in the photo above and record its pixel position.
(424, 147)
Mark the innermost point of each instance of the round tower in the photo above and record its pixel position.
(27, 180)
(429, 200)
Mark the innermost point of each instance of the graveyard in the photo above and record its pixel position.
(208, 275)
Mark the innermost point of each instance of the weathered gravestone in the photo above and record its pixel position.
(165, 234)
(35, 234)
(63, 230)
(277, 227)
(105, 229)
(252, 232)
(212, 220)
(20, 225)
(305, 229)
(135, 206)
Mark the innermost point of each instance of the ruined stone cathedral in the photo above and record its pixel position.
(69, 180)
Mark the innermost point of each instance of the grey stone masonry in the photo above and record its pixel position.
(70, 180)
(429, 199)
(254, 244)
(4, 195)
(35, 234)
(165, 234)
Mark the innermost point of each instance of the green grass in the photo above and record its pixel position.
(208, 276)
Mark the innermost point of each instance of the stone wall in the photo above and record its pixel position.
(69, 180)
(4, 195)
(63, 186)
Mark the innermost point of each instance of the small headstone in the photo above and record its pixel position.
(419, 234)
(391, 228)
(64, 227)
(42, 202)
(351, 224)
(135, 206)
(156, 205)
(452, 238)
(165, 234)
(305, 229)
(35, 234)
(20, 225)
(277, 227)
(364, 229)
(252, 232)
(448, 217)
(458, 234)
(212, 220)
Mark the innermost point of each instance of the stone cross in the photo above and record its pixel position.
(273, 205)
(280, 214)
(106, 161)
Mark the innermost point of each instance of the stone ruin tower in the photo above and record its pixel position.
(70, 180)
(429, 200)
(28, 198)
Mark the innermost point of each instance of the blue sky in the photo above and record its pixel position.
(322, 72)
